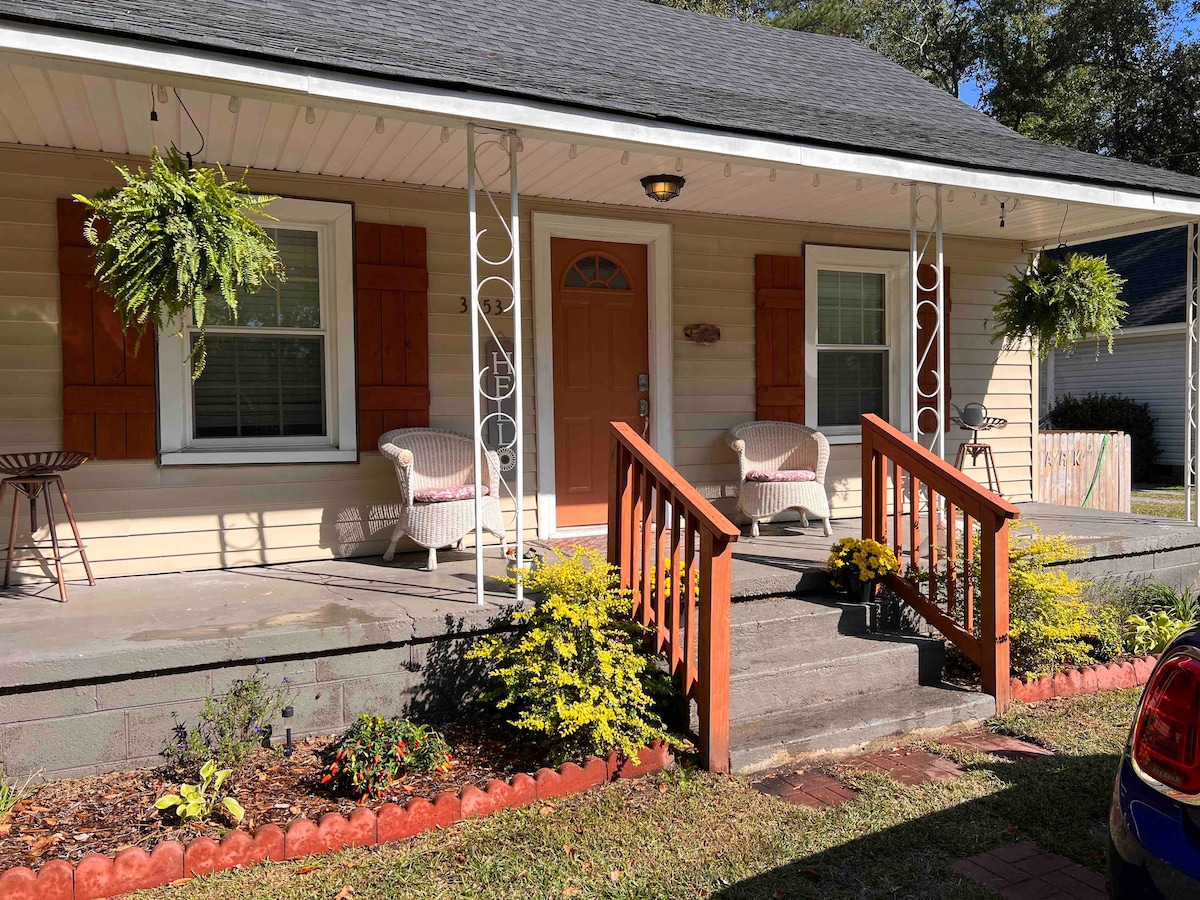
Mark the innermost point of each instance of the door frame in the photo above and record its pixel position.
(656, 236)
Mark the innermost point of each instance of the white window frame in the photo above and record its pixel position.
(894, 265)
(334, 224)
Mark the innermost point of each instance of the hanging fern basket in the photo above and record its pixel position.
(176, 238)
(1060, 303)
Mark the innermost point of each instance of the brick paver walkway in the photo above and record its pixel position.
(812, 789)
(1025, 871)
(996, 745)
(908, 766)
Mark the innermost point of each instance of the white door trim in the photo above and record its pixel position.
(657, 238)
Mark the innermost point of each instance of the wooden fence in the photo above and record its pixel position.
(674, 551)
(1085, 468)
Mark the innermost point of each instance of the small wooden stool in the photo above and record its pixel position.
(976, 449)
(33, 475)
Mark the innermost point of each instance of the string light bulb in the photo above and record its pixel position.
(816, 179)
(625, 158)
(679, 164)
(858, 185)
(310, 115)
(235, 104)
(950, 196)
(895, 188)
(445, 135)
(772, 176)
(728, 170)
(379, 126)
(983, 200)
(520, 145)
(162, 93)
(572, 152)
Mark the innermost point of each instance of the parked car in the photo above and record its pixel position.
(1154, 823)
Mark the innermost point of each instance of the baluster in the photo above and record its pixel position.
(647, 511)
(951, 559)
(662, 635)
(932, 525)
(637, 478)
(897, 509)
(914, 521)
(968, 573)
(624, 549)
(689, 605)
(678, 596)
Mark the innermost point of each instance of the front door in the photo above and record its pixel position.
(601, 366)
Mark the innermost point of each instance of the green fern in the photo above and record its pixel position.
(173, 239)
(1061, 302)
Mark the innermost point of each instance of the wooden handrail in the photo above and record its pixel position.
(673, 549)
(977, 625)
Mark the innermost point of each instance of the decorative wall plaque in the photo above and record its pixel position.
(702, 333)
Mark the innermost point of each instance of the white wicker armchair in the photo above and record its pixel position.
(782, 466)
(436, 471)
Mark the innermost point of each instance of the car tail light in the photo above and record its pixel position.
(1166, 739)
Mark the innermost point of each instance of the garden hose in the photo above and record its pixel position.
(1096, 474)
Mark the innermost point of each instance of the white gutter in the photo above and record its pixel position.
(141, 61)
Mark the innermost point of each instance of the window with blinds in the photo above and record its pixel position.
(266, 371)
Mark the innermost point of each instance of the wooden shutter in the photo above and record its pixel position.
(392, 303)
(779, 337)
(108, 379)
(925, 376)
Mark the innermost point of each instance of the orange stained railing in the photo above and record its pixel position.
(674, 552)
(950, 536)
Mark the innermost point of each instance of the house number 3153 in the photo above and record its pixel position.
(490, 307)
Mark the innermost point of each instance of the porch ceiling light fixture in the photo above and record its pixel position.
(663, 187)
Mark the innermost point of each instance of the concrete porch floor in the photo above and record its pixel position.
(169, 622)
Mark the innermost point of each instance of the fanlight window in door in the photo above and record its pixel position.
(597, 272)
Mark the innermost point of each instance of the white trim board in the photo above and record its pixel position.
(144, 61)
(657, 238)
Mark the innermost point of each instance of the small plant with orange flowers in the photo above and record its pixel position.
(376, 751)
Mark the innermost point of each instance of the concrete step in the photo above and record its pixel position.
(784, 622)
(768, 680)
(773, 740)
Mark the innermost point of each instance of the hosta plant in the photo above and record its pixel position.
(1060, 302)
(174, 238)
(197, 802)
(1152, 632)
(376, 751)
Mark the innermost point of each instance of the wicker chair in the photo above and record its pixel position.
(782, 466)
(436, 471)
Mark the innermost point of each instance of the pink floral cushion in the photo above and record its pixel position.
(783, 475)
(446, 494)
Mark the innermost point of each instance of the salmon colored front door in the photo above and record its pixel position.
(601, 366)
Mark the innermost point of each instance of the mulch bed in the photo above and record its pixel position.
(71, 817)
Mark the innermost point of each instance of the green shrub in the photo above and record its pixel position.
(574, 675)
(230, 727)
(1108, 412)
(374, 751)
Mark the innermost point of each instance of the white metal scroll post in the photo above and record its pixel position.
(933, 401)
(500, 149)
(1191, 437)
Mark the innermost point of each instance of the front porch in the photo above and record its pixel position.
(100, 679)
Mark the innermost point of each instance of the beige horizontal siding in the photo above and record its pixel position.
(138, 518)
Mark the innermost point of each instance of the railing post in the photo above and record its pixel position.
(868, 483)
(994, 625)
(713, 697)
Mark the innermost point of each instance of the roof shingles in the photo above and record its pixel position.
(621, 56)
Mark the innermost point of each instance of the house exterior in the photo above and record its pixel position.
(827, 192)
(1149, 355)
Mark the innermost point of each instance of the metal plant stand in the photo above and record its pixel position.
(32, 475)
(975, 449)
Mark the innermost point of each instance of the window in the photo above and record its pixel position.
(597, 272)
(278, 384)
(856, 360)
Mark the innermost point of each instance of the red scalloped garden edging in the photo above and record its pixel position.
(97, 876)
(1076, 682)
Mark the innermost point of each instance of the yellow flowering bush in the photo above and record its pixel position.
(575, 675)
(855, 561)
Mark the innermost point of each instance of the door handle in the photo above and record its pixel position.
(644, 408)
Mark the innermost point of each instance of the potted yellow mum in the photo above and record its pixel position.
(855, 565)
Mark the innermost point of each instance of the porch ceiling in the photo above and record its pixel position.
(91, 112)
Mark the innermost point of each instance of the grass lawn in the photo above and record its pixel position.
(1159, 501)
(691, 835)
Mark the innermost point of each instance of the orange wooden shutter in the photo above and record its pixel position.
(392, 303)
(925, 376)
(779, 337)
(108, 380)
